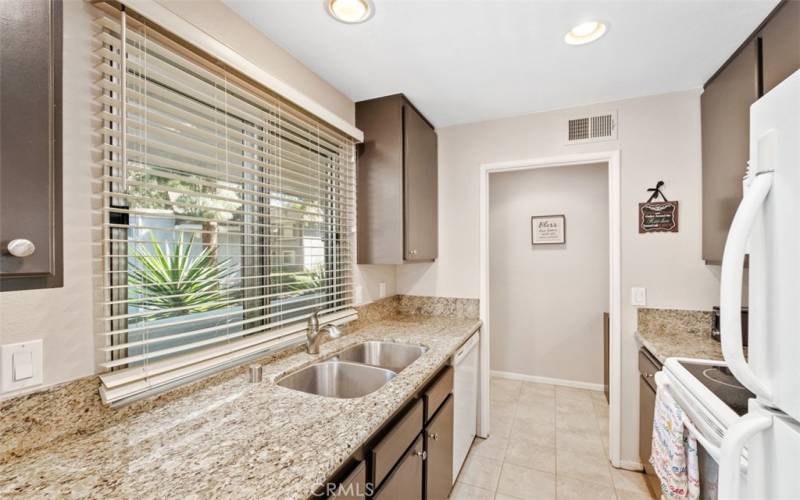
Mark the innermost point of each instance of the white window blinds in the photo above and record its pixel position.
(228, 213)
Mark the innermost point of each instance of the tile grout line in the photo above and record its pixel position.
(582, 423)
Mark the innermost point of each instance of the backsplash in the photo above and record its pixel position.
(677, 333)
(30, 421)
(661, 321)
(438, 306)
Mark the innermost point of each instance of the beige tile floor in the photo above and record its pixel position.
(546, 442)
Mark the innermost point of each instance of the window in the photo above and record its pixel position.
(228, 213)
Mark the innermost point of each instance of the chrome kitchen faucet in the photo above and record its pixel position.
(314, 333)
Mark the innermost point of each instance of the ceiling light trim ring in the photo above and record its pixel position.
(343, 16)
(586, 32)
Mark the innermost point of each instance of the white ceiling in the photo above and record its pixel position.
(466, 61)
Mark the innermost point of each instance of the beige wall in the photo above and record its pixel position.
(547, 301)
(64, 317)
(659, 139)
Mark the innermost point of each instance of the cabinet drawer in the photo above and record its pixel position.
(391, 447)
(648, 366)
(438, 391)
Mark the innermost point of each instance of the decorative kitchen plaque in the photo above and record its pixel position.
(658, 216)
(548, 230)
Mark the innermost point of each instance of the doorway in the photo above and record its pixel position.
(548, 268)
(611, 161)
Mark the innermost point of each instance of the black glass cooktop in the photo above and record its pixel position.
(720, 381)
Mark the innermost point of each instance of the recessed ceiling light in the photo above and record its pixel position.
(585, 33)
(350, 11)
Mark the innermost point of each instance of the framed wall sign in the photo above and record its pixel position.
(658, 217)
(548, 230)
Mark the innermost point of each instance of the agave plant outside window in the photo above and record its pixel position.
(171, 277)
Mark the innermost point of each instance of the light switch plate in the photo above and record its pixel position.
(22, 365)
(638, 296)
(21, 353)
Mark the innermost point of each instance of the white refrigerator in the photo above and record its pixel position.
(760, 452)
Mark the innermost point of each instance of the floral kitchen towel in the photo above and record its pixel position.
(674, 450)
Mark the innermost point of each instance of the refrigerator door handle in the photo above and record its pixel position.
(737, 435)
(730, 300)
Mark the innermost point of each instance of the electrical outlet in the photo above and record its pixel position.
(638, 296)
(20, 365)
(382, 289)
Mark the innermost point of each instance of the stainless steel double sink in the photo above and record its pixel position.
(355, 371)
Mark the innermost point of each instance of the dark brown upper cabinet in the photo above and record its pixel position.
(397, 183)
(781, 45)
(725, 115)
(768, 56)
(30, 134)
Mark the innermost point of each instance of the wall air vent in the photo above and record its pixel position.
(596, 128)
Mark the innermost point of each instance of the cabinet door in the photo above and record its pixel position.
(380, 181)
(354, 486)
(405, 482)
(725, 107)
(439, 448)
(420, 186)
(30, 189)
(394, 444)
(647, 405)
(781, 45)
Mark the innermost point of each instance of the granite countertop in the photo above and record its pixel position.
(234, 438)
(669, 333)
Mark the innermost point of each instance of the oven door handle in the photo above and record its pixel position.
(737, 435)
(662, 382)
(712, 450)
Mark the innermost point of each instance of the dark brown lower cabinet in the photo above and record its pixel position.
(388, 450)
(405, 482)
(648, 366)
(354, 486)
(411, 456)
(439, 447)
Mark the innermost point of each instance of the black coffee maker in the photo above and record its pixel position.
(715, 327)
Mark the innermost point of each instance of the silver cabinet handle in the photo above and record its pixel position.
(21, 247)
(434, 435)
(421, 454)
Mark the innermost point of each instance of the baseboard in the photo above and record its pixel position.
(630, 465)
(547, 380)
